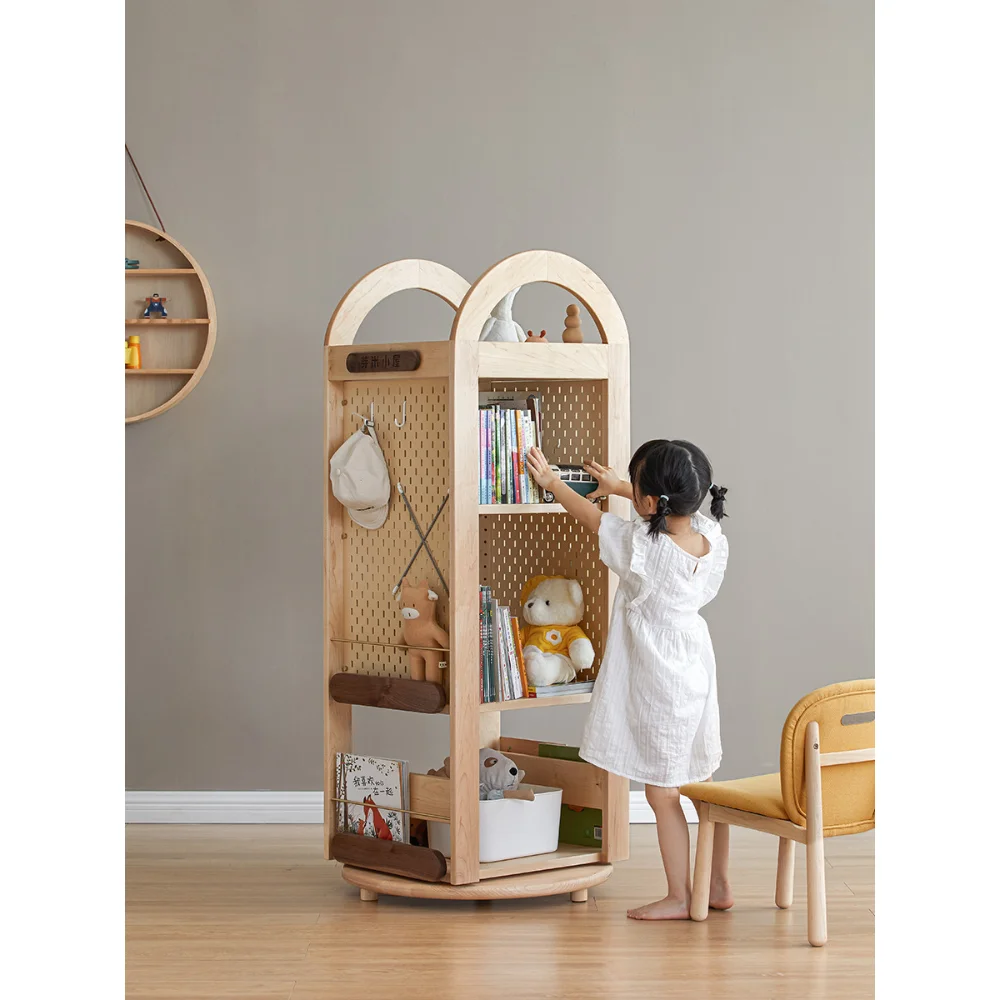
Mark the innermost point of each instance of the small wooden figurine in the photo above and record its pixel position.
(573, 334)
(532, 339)
(155, 307)
(133, 352)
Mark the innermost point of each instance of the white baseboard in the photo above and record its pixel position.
(223, 807)
(280, 807)
(640, 811)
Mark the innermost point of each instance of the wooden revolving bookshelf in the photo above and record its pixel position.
(585, 388)
(175, 350)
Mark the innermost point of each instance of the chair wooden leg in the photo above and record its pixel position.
(702, 864)
(815, 860)
(368, 896)
(786, 873)
(579, 895)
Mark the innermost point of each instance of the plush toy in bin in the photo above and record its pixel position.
(555, 647)
(499, 776)
(417, 604)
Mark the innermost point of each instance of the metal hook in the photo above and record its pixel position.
(368, 423)
(395, 421)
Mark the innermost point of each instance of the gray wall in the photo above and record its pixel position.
(712, 161)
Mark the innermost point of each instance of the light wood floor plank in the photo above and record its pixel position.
(255, 912)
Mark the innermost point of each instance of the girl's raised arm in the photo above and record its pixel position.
(588, 514)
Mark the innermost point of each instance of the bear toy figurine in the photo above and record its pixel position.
(497, 774)
(555, 647)
(417, 604)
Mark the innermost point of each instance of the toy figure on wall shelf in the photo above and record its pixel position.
(133, 354)
(555, 646)
(155, 307)
(572, 334)
(421, 632)
(532, 339)
(130, 264)
(501, 326)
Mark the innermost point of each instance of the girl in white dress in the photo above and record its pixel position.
(654, 713)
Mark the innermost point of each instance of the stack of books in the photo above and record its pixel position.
(501, 659)
(509, 425)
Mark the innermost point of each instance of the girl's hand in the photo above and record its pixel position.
(538, 466)
(608, 483)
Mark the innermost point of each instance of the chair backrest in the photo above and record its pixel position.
(845, 714)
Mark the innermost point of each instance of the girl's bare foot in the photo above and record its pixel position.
(668, 908)
(720, 896)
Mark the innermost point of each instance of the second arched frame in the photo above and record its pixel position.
(533, 266)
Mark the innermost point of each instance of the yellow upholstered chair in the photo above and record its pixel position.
(825, 788)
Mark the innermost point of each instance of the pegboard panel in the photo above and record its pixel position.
(515, 547)
(417, 456)
(573, 425)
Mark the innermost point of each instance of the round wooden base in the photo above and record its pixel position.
(574, 881)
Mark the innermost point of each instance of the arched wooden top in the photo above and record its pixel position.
(396, 276)
(539, 265)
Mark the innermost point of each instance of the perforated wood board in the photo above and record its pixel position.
(515, 547)
(572, 417)
(417, 456)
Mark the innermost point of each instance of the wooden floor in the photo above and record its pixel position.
(254, 912)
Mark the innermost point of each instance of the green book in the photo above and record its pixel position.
(577, 825)
(559, 751)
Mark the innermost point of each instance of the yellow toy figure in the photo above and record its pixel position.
(555, 646)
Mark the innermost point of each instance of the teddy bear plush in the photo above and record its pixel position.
(555, 646)
(497, 774)
(417, 604)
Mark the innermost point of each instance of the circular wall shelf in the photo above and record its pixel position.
(176, 350)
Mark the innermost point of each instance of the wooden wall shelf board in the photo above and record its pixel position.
(436, 452)
(191, 325)
(159, 272)
(521, 508)
(170, 321)
(519, 703)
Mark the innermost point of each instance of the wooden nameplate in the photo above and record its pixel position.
(388, 692)
(389, 856)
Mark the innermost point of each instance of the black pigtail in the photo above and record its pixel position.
(718, 507)
(658, 521)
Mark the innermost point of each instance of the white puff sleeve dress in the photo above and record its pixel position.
(654, 713)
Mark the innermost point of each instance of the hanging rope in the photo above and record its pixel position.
(145, 189)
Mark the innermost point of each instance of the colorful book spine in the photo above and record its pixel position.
(482, 456)
(497, 651)
(519, 652)
(515, 674)
(519, 458)
(529, 443)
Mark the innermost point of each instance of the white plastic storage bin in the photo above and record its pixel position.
(510, 828)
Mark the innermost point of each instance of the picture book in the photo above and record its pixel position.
(372, 793)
